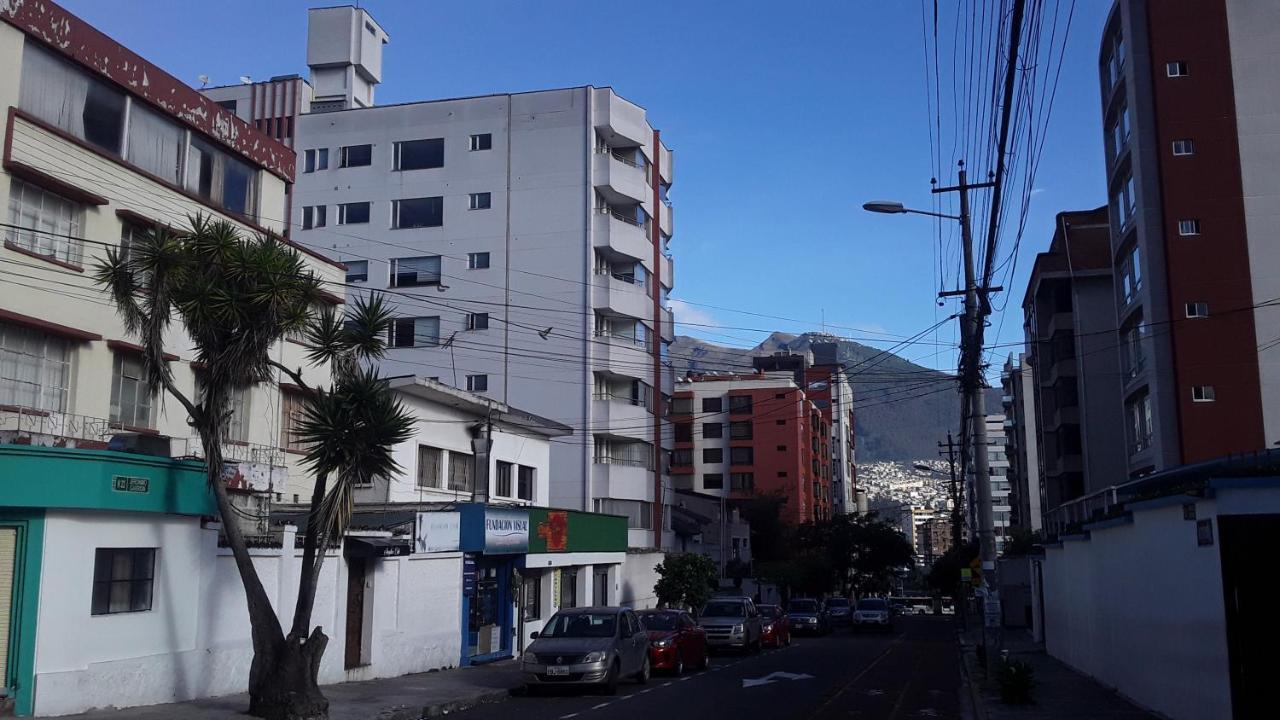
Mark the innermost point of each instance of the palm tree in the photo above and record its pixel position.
(238, 297)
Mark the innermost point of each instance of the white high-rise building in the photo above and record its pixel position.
(998, 464)
(521, 241)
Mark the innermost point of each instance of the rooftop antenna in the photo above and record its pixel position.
(246, 79)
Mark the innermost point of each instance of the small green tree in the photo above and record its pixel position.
(686, 580)
(237, 298)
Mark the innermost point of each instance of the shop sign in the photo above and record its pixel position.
(506, 530)
(437, 532)
(130, 484)
(469, 573)
(555, 531)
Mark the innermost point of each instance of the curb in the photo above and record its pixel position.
(453, 706)
(977, 709)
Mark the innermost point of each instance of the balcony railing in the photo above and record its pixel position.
(232, 451)
(25, 422)
(625, 399)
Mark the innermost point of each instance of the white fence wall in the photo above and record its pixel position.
(638, 580)
(1139, 606)
(194, 642)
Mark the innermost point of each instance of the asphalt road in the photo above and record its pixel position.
(912, 673)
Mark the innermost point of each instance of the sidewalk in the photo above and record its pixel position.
(408, 697)
(1060, 691)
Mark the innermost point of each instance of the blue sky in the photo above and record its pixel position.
(784, 117)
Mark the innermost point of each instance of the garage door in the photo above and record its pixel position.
(8, 545)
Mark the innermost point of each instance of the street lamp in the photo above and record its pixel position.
(888, 207)
(925, 468)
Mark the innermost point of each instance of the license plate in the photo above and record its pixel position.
(557, 670)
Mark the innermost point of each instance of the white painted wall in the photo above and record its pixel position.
(638, 580)
(195, 641)
(1139, 606)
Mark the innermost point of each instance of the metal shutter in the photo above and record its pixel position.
(8, 546)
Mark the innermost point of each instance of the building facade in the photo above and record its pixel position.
(1189, 115)
(522, 241)
(1022, 441)
(998, 467)
(1075, 362)
(101, 145)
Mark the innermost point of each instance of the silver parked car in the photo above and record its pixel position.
(872, 613)
(587, 646)
(731, 622)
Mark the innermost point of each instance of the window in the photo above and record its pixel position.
(460, 465)
(355, 213)
(291, 415)
(156, 145)
(712, 455)
(237, 427)
(740, 404)
(681, 458)
(67, 97)
(478, 383)
(781, 448)
(368, 26)
(47, 224)
(356, 156)
(712, 481)
(314, 216)
(1140, 423)
(428, 466)
(682, 406)
(1119, 133)
(415, 332)
(316, 159)
(711, 404)
(1202, 393)
(780, 422)
(1197, 310)
(609, 451)
(415, 271)
(1131, 348)
(741, 456)
(1123, 202)
(532, 584)
(483, 141)
(1188, 227)
(684, 432)
(740, 430)
(417, 213)
(526, 478)
(420, 154)
(1176, 68)
(478, 321)
(122, 580)
(568, 588)
(130, 397)
(503, 486)
(480, 201)
(357, 271)
(477, 260)
(1184, 147)
(639, 513)
(742, 481)
(782, 473)
(228, 105)
(35, 369)
(1130, 276)
(219, 178)
(712, 430)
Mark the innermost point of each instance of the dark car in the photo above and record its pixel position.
(675, 640)
(775, 628)
(807, 616)
(839, 611)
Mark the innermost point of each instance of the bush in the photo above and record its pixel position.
(1016, 682)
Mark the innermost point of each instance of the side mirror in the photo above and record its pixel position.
(534, 635)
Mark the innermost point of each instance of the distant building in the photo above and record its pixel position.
(713, 527)
(1022, 442)
(998, 467)
(935, 539)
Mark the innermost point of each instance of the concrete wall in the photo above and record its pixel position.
(194, 642)
(1139, 605)
(638, 579)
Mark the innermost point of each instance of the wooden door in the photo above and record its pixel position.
(355, 612)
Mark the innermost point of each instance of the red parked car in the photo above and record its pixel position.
(675, 640)
(775, 628)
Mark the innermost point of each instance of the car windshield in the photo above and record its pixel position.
(770, 611)
(871, 604)
(581, 625)
(804, 606)
(723, 609)
(838, 603)
(659, 621)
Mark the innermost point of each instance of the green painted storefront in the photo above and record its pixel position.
(582, 531)
(35, 479)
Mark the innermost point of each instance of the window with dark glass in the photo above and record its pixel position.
(420, 154)
(503, 485)
(418, 213)
(681, 406)
(711, 404)
(741, 456)
(712, 481)
(532, 585)
(712, 455)
(478, 321)
(315, 159)
(480, 201)
(482, 141)
(478, 383)
(712, 430)
(684, 432)
(356, 156)
(67, 97)
(740, 404)
(477, 260)
(354, 213)
(681, 458)
(314, 216)
(357, 271)
(742, 481)
(460, 468)
(740, 430)
(122, 580)
(525, 482)
(219, 178)
(415, 271)
(415, 332)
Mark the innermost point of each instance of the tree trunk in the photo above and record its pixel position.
(311, 546)
(288, 687)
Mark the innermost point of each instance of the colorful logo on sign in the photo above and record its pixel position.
(555, 531)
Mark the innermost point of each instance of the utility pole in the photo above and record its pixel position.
(974, 402)
(957, 535)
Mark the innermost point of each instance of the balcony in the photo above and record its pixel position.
(1060, 322)
(618, 415)
(665, 219)
(623, 235)
(666, 164)
(622, 482)
(622, 296)
(1068, 415)
(1059, 369)
(620, 355)
(620, 180)
(668, 320)
(668, 270)
(25, 426)
(620, 122)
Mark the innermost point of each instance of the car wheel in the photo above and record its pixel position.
(642, 677)
(611, 680)
(788, 639)
(678, 670)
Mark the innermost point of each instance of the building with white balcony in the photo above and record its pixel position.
(998, 471)
(522, 241)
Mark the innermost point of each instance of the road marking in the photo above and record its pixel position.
(686, 677)
(625, 697)
(774, 677)
(570, 715)
(666, 684)
(601, 705)
(646, 690)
